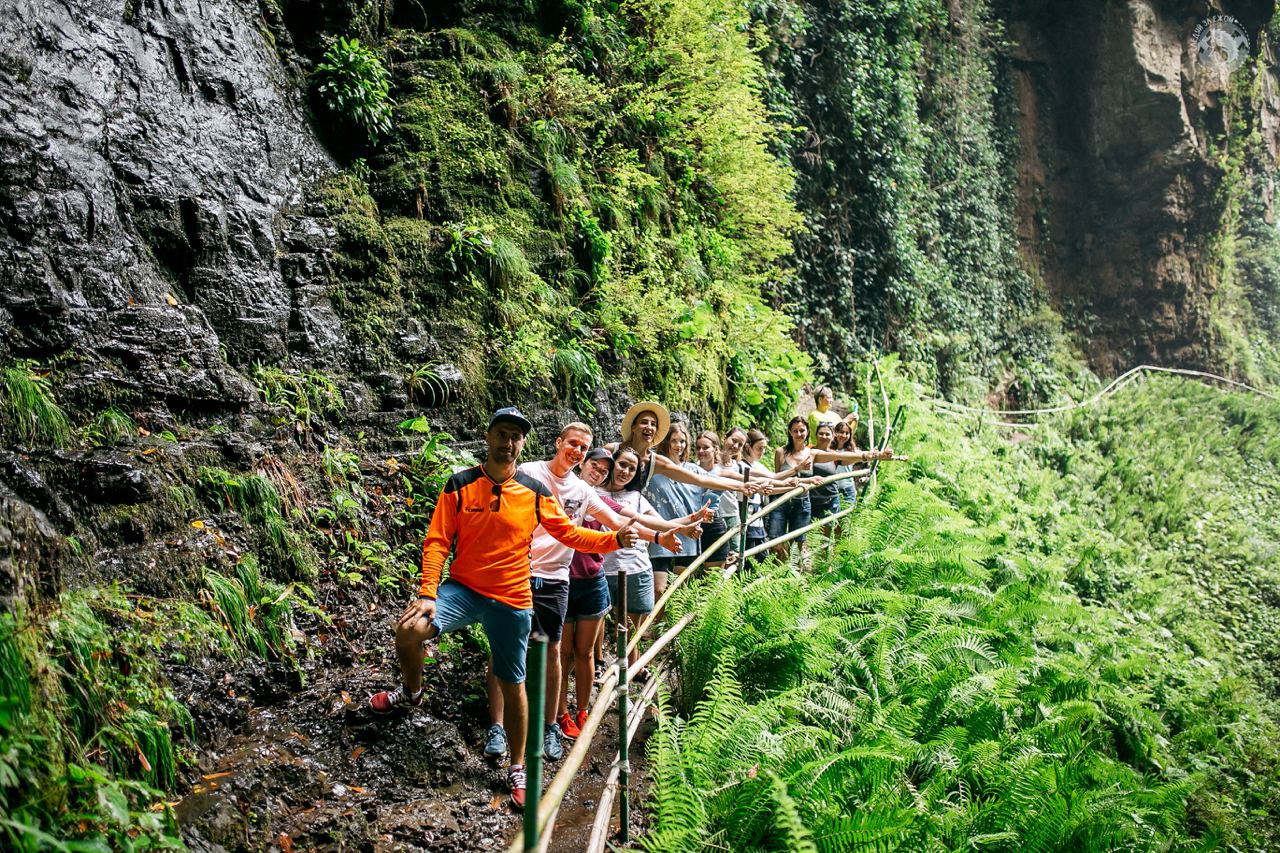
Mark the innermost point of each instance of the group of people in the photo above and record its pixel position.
(544, 546)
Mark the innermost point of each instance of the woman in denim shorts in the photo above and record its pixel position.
(588, 603)
(629, 565)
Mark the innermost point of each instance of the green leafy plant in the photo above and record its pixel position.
(28, 409)
(353, 83)
(110, 426)
(307, 395)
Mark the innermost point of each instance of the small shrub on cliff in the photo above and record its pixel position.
(28, 411)
(353, 84)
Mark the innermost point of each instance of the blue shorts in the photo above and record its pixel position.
(792, 515)
(506, 627)
(588, 598)
(639, 592)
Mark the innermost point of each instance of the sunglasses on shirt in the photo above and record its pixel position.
(497, 498)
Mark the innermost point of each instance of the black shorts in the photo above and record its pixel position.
(667, 565)
(550, 604)
(824, 506)
(710, 533)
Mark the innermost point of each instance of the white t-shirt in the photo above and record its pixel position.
(633, 560)
(547, 557)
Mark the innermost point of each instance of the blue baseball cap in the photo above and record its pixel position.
(511, 415)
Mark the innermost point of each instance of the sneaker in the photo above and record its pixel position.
(516, 779)
(495, 742)
(600, 670)
(581, 720)
(568, 727)
(552, 748)
(387, 700)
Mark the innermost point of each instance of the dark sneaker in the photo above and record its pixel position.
(495, 743)
(552, 748)
(388, 700)
(516, 779)
(600, 670)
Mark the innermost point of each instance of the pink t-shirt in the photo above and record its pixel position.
(588, 566)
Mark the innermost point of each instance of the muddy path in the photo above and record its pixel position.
(290, 758)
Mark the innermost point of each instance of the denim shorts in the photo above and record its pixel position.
(792, 515)
(550, 602)
(639, 592)
(506, 627)
(588, 598)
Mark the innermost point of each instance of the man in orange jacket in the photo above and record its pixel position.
(487, 514)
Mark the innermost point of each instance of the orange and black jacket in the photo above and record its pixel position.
(492, 525)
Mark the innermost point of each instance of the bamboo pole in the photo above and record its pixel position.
(600, 826)
(536, 689)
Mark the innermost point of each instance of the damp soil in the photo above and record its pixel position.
(288, 757)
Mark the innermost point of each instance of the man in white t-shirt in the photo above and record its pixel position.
(549, 564)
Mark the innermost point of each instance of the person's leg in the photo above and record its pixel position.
(639, 605)
(494, 690)
(569, 656)
(455, 609)
(583, 672)
(508, 631)
(516, 719)
(410, 652)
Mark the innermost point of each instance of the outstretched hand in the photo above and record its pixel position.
(669, 540)
(422, 608)
(706, 514)
(628, 536)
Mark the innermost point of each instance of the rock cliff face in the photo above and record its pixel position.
(152, 160)
(1120, 194)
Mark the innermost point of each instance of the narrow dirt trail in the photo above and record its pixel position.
(291, 759)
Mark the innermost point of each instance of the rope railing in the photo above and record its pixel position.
(539, 826)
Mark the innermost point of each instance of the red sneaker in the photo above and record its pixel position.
(567, 726)
(581, 720)
(516, 779)
(387, 700)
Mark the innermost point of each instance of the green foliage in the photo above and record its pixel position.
(353, 84)
(109, 427)
(28, 411)
(82, 709)
(905, 174)
(256, 498)
(256, 612)
(561, 203)
(306, 395)
(937, 685)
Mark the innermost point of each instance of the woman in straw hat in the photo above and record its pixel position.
(645, 425)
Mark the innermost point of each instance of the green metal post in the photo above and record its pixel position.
(624, 768)
(536, 688)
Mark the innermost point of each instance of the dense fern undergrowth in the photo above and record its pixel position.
(1064, 643)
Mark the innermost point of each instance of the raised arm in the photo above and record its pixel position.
(848, 456)
(555, 522)
(647, 526)
(708, 481)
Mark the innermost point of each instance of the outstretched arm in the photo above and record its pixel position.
(708, 481)
(848, 456)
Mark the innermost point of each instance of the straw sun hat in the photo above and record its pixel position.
(659, 410)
